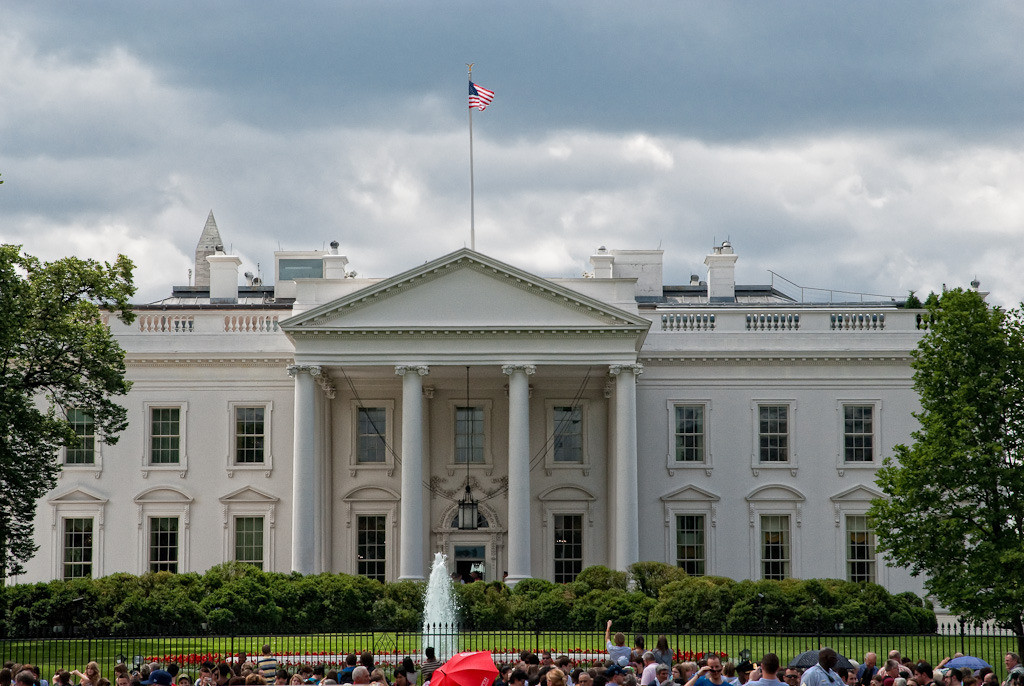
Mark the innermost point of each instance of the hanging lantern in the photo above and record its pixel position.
(468, 512)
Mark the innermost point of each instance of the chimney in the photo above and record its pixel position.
(602, 263)
(334, 263)
(721, 274)
(223, 276)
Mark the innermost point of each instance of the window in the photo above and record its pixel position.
(773, 433)
(84, 449)
(249, 540)
(860, 549)
(165, 435)
(370, 547)
(163, 544)
(858, 433)
(469, 435)
(690, 552)
(249, 434)
(568, 433)
(775, 551)
(568, 547)
(371, 429)
(689, 433)
(78, 547)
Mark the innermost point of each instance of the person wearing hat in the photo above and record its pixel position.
(616, 674)
(743, 670)
(159, 676)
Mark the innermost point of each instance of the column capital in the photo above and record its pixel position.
(311, 369)
(403, 369)
(617, 369)
(510, 369)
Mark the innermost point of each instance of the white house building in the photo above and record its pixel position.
(332, 422)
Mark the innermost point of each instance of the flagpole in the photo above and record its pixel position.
(472, 208)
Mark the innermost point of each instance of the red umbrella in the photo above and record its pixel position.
(466, 669)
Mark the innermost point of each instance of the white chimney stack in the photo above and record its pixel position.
(602, 263)
(223, 276)
(335, 263)
(721, 274)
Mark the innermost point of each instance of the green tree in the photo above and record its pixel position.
(56, 355)
(954, 509)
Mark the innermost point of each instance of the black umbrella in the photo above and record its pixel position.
(809, 658)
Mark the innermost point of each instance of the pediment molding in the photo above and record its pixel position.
(857, 494)
(562, 493)
(604, 316)
(163, 494)
(776, 492)
(248, 494)
(690, 494)
(78, 496)
(362, 494)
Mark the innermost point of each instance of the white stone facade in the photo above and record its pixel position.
(609, 420)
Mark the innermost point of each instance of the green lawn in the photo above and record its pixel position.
(389, 647)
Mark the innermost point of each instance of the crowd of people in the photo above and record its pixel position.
(625, 666)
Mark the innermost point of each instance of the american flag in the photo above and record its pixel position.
(479, 97)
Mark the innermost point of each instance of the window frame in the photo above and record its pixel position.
(250, 502)
(486, 405)
(872, 562)
(383, 562)
(63, 533)
(792, 463)
(262, 530)
(267, 465)
(670, 453)
(691, 500)
(388, 405)
(181, 465)
(550, 464)
(78, 503)
(164, 501)
(581, 517)
(677, 516)
(762, 545)
(97, 456)
(876, 432)
(776, 499)
(149, 562)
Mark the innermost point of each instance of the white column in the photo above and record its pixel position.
(305, 537)
(410, 559)
(626, 525)
(519, 501)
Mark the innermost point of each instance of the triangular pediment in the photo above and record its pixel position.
(858, 494)
(80, 496)
(690, 494)
(465, 290)
(248, 494)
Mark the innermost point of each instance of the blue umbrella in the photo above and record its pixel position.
(968, 662)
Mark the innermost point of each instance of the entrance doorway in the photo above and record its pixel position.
(469, 559)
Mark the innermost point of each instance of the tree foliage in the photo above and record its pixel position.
(955, 497)
(56, 354)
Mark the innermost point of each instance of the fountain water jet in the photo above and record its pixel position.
(440, 615)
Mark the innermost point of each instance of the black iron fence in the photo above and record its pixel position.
(58, 651)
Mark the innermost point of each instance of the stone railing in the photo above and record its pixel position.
(166, 323)
(250, 323)
(686, 321)
(791, 320)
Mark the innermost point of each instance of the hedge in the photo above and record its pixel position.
(651, 597)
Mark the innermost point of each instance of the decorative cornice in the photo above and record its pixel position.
(766, 358)
(275, 362)
(435, 332)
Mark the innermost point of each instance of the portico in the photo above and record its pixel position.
(534, 350)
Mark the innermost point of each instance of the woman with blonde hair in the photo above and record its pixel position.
(556, 677)
(91, 676)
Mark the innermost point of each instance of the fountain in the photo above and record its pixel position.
(440, 616)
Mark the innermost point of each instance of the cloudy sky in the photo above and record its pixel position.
(864, 146)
